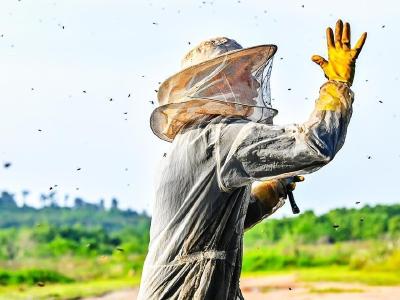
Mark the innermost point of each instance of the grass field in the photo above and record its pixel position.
(371, 263)
(78, 290)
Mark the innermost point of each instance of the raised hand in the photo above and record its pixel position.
(340, 65)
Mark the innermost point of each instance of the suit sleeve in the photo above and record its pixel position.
(263, 152)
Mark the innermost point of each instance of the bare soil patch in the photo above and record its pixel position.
(286, 287)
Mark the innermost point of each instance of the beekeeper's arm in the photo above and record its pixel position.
(264, 152)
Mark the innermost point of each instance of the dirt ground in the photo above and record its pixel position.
(286, 287)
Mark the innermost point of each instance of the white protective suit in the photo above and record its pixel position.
(203, 193)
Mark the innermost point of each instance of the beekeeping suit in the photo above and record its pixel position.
(217, 115)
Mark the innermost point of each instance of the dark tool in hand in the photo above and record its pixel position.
(295, 208)
(290, 187)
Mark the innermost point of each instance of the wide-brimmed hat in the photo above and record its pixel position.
(218, 77)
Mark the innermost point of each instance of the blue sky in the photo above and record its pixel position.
(114, 48)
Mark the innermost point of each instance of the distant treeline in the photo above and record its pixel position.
(337, 225)
(84, 229)
(81, 213)
(89, 229)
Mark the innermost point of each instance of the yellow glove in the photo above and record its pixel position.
(341, 58)
(269, 192)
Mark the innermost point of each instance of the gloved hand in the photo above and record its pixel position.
(269, 192)
(341, 58)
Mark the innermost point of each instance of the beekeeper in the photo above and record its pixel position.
(217, 115)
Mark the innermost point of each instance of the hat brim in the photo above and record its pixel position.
(177, 83)
(167, 131)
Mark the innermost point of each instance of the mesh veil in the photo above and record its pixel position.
(233, 84)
